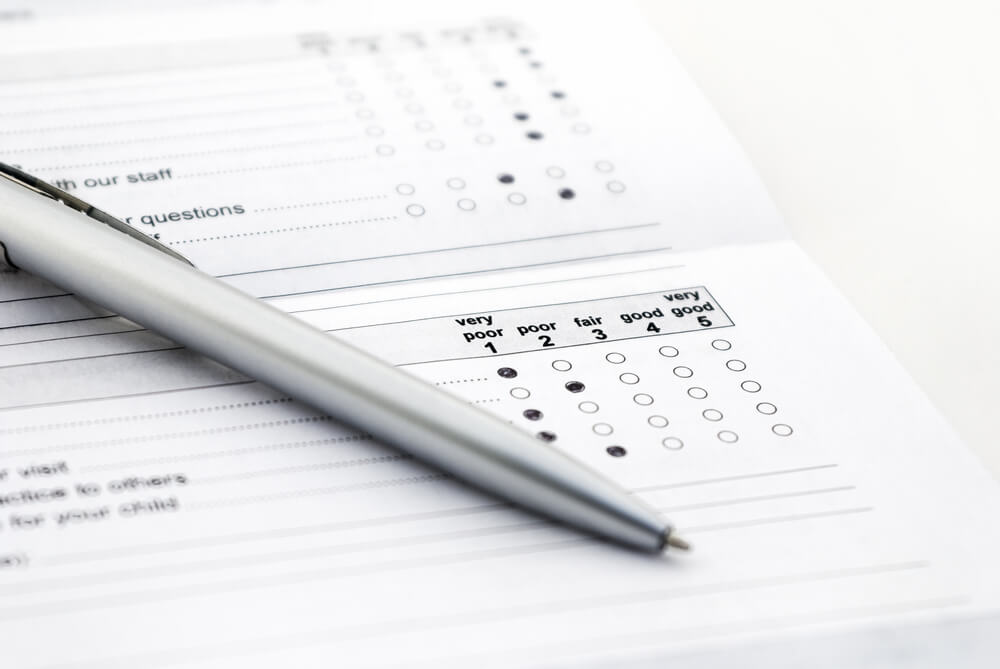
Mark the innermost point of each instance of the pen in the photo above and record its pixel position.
(59, 237)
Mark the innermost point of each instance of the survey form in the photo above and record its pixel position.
(533, 209)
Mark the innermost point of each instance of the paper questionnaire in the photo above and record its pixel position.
(540, 215)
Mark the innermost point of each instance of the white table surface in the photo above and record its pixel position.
(876, 128)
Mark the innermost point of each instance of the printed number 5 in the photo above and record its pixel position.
(703, 321)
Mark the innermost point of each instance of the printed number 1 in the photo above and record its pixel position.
(489, 345)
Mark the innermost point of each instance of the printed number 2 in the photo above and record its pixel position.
(546, 341)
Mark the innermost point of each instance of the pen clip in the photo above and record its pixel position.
(48, 190)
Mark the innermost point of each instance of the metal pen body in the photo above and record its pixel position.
(82, 255)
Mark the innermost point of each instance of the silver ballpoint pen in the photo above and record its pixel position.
(59, 237)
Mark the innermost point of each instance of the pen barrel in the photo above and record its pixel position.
(205, 314)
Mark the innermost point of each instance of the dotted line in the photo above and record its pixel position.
(270, 167)
(142, 416)
(169, 435)
(90, 90)
(490, 401)
(158, 119)
(448, 383)
(139, 103)
(358, 462)
(137, 140)
(280, 230)
(194, 154)
(325, 203)
(369, 485)
(207, 455)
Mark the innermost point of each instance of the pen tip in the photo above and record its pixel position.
(674, 541)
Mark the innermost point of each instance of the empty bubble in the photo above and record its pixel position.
(629, 378)
(721, 345)
(668, 351)
(569, 110)
(520, 393)
(484, 139)
(354, 96)
(555, 172)
(423, 125)
(567, 193)
(728, 436)
(683, 372)
(434, 144)
(713, 415)
(673, 443)
(365, 114)
(616, 451)
(561, 365)
(658, 421)
(405, 189)
(750, 386)
(507, 372)
(473, 119)
(346, 81)
(604, 166)
(415, 210)
(698, 393)
(455, 183)
(603, 429)
(461, 103)
(767, 408)
(404, 92)
(615, 358)
(616, 187)
(575, 386)
(588, 407)
(643, 399)
(512, 99)
(414, 108)
(453, 87)
(782, 430)
(533, 134)
(374, 131)
(384, 150)
(736, 365)
(580, 128)
(516, 198)
(506, 178)
(465, 204)
(545, 435)
(532, 414)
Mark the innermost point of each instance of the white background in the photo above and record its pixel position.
(876, 128)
